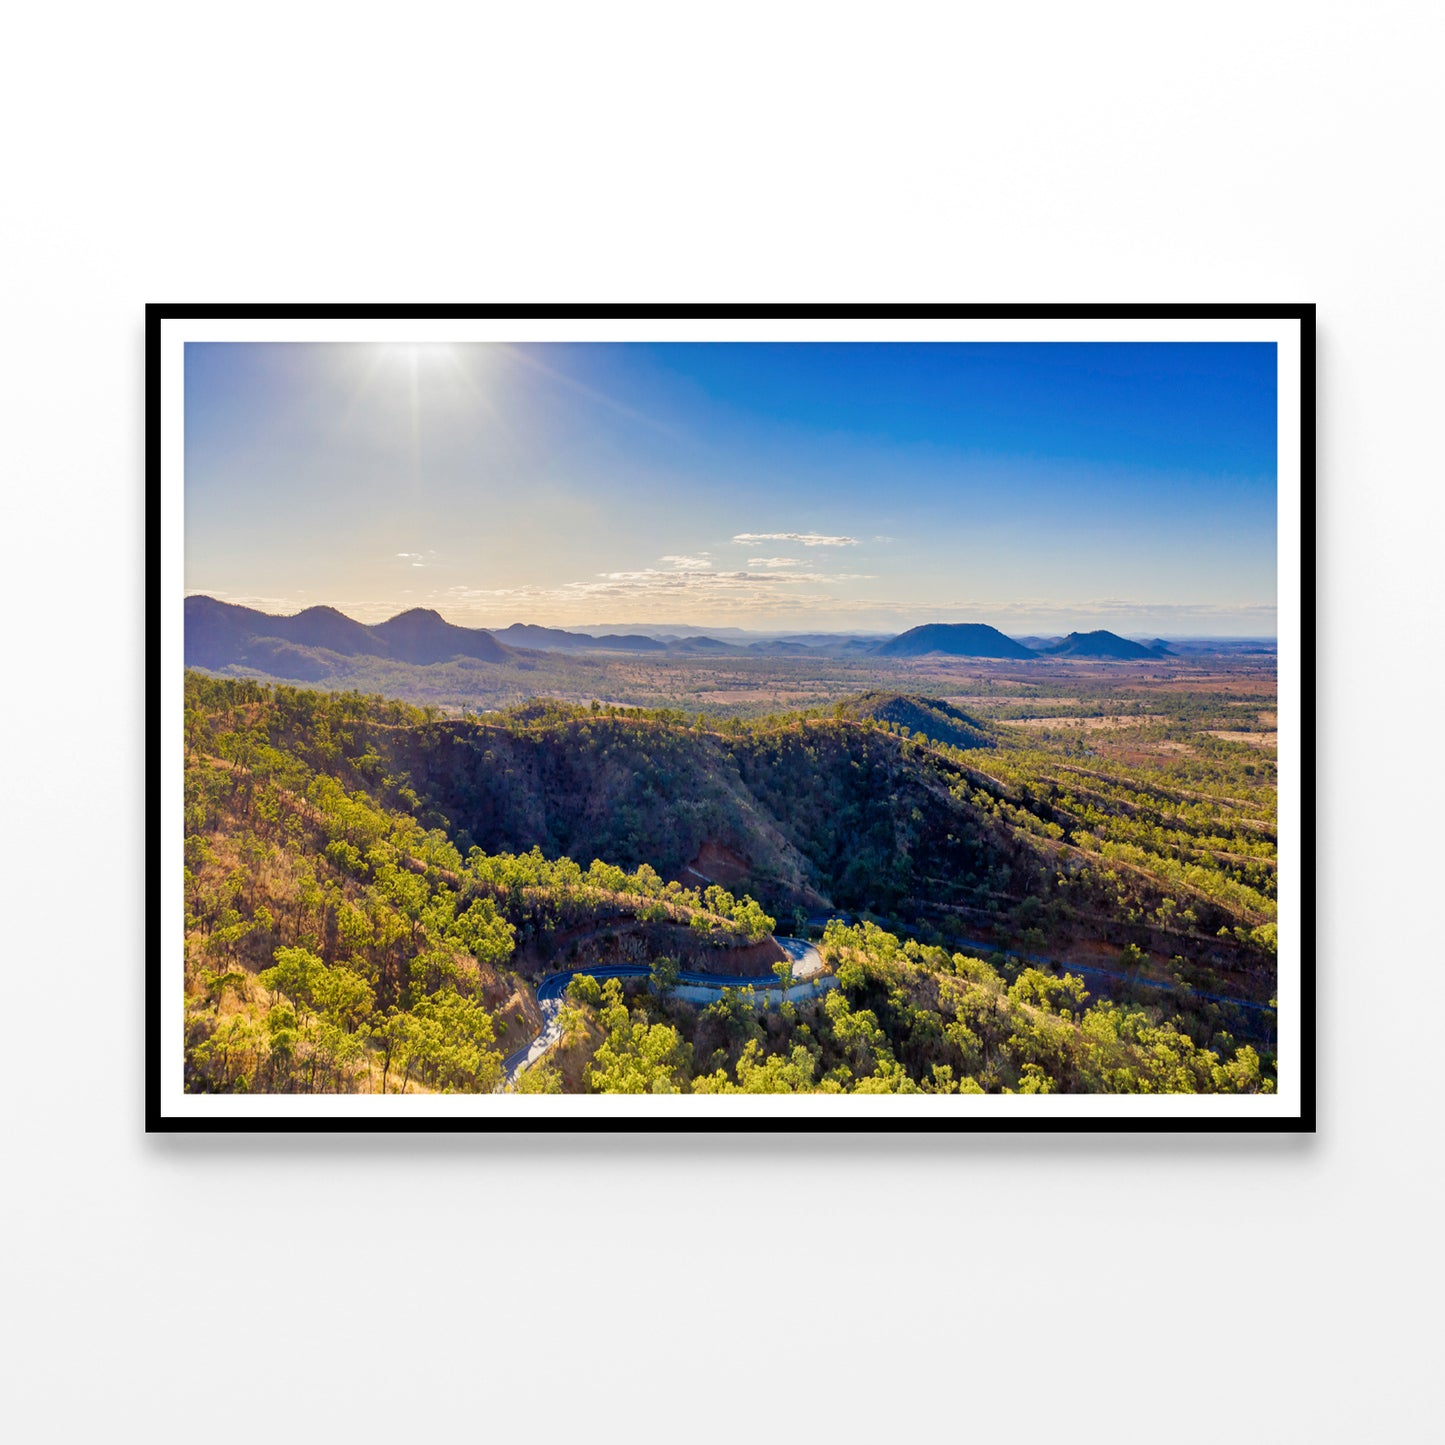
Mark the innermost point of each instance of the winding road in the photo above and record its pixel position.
(807, 963)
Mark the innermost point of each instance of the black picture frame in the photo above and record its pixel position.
(157, 1120)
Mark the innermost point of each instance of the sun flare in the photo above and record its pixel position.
(417, 356)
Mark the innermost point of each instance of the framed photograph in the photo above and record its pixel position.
(723, 717)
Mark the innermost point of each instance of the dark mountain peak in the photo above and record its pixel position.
(326, 628)
(416, 615)
(422, 635)
(1099, 644)
(953, 639)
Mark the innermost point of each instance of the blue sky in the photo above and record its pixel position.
(1037, 487)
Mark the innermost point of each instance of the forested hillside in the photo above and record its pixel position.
(373, 891)
(845, 811)
(905, 1019)
(932, 717)
(333, 940)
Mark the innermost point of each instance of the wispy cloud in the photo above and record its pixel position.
(698, 561)
(807, 539)
(774, 562)
(418, 559)
(655, 592)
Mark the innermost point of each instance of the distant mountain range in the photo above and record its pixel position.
(554, 639)
(978, 639)
(316, 643)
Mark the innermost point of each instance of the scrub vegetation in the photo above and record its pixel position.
(1028, 877)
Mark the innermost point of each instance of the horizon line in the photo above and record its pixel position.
(582, 629)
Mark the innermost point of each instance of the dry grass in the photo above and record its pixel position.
(1254, 739)
(1088, 724)
(783, 701)
(975, 699)
(1246, 685)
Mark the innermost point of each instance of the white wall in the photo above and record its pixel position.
(1098, 1289)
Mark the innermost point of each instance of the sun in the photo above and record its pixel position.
(420, 356)
(425, 381)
